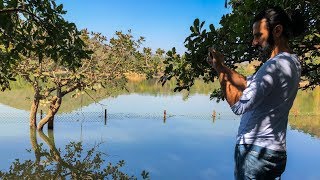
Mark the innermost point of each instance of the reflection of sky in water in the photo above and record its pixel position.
(7, 109)
(184, 147)
(135, 103)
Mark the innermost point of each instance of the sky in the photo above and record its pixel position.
(164, 23)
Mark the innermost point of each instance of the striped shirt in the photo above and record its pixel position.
(266, 102)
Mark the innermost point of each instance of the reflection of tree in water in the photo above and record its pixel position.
(76, 163)
(307, 103)
(306, 124)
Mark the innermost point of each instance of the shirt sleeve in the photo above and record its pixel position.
(258, 87)
(249, 79)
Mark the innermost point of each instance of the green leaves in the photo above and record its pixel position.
(195, 28)
(192, 64)
(145, 175)
(212, 29)
(37, 28)
(234, 38)
(59, 8)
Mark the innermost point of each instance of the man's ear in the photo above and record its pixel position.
(277, 31)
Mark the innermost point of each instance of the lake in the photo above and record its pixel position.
(188, 144)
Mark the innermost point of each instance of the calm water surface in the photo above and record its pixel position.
(189, 144)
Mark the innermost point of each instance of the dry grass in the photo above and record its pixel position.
(134, 77)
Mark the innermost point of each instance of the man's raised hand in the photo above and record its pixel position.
(215, 58)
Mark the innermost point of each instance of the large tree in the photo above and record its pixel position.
(106, 67)
(36, 28)
(234, 38)
(39, 45)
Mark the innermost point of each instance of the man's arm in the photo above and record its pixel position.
(240, 97)
(232, 83)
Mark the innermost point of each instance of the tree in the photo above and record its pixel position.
(233, 39)
(36, 28)
(39, 45)
(105, 67)
(153, 62)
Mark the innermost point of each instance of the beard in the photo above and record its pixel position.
(264, 53)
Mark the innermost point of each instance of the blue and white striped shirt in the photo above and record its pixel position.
(266, 102)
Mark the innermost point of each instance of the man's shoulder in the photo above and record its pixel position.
(286, 62)
(283, 59)
(284, 56)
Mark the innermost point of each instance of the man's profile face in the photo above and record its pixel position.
(262, 39)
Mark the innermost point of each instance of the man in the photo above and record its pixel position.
(263, 99)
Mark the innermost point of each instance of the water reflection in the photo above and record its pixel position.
(191, 142)
(75, 163)
(307, 124)
(20, 95)
(185, 147)
(307, 103)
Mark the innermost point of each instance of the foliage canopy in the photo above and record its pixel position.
(36, 28)
(39, 45)
(234, 39)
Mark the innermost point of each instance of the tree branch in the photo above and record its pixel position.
(49, 91)
(13, 10)
(72, 88)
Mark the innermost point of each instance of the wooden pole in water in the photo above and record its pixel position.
(164, 116)
(213, 115)
(105, 116)
(40, 114)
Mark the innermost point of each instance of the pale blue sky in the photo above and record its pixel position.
(164, 23)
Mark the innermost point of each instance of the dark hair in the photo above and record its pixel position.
(292, 26)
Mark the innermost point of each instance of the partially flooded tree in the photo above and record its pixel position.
(234, 39)
(34, 32)
(33, 28)
(105, 67)
(56, 59)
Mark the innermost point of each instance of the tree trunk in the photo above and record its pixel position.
(35, 105)
(50, 123)
(34, 144)
(50, 142)
(54, 107)
(33, 113)
(55, 154)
